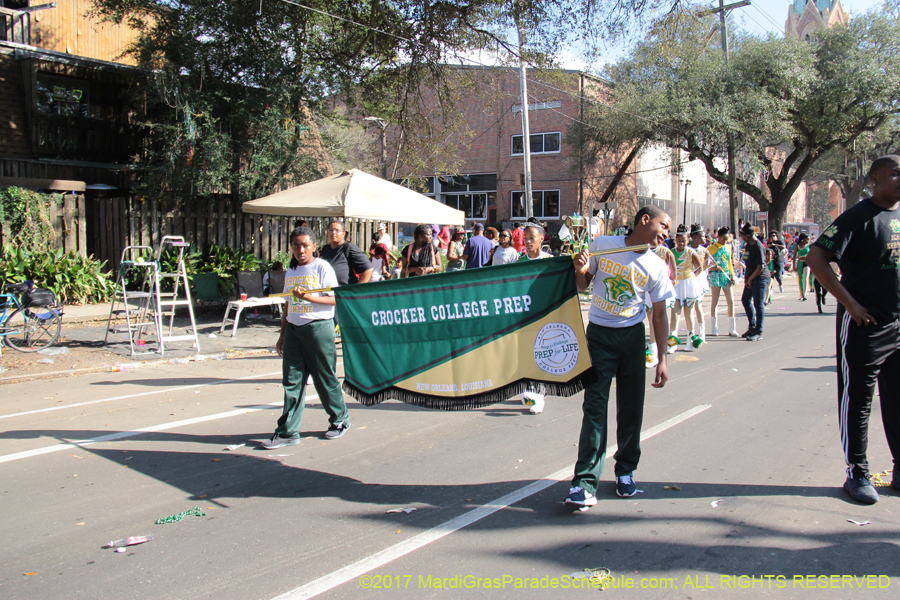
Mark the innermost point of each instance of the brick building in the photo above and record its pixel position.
(490, 159)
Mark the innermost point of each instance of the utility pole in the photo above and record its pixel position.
(732, 177)
(526, 134)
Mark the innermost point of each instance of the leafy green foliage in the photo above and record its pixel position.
(785, 102)
(74, 279)
(27, 218)
(226, 262)
(232, 79)
(283, 257)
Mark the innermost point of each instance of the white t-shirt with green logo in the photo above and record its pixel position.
(622, 281)
(315, 275)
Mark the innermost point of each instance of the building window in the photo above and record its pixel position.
(474, 205)
(471, 194)
(545, 206)
(62, 96)
(541, 143)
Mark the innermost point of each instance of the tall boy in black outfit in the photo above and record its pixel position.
(865, 241)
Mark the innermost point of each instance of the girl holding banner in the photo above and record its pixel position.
(533, 397)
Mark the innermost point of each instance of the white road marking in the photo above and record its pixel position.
(353, 571)
(138, 395)
(153, 428)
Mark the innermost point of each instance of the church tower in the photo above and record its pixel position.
(805, 16)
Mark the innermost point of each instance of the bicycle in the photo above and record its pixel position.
(31, 327)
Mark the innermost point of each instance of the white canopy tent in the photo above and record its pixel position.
(356, 194)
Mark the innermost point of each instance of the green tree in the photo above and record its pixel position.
(231, 79)
(848, 166)
(785, 102)
(819, 205)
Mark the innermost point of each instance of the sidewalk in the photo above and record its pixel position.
(83, 348)
(86, 313)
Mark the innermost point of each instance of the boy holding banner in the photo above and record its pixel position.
(615, 339)
(307, 344)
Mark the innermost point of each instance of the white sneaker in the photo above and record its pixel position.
(715, 330)
(534, 402)
(734, 333)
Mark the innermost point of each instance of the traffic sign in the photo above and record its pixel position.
(762, 215)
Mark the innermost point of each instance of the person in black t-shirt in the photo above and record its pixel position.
(865, 242)
(350, 264)
(756, 281)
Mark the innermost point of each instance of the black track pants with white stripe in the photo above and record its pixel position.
(866, 355)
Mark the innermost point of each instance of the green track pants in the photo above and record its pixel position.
(309, 351)
(619, 353)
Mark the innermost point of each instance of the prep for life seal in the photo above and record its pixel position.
(556, 348)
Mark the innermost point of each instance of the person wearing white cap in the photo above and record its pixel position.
(384, 237)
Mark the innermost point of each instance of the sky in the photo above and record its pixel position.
(761, 17)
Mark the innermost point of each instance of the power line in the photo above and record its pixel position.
(462, 58)
(766, 15)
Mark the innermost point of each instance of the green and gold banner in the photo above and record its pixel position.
(466, 339)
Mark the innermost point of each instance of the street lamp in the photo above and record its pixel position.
(687, 182)
(383, 124)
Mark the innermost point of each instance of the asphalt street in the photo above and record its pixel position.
(740, 480)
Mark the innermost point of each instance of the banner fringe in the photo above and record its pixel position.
(473, 401)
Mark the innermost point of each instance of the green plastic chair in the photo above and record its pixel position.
(206, 291)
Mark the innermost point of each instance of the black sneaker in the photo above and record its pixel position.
(895, 480)
(861, 489)
(749, 332)
(279, 442)
(756, 337)
(337, 430)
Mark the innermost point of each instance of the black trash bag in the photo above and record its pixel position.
(39, 297)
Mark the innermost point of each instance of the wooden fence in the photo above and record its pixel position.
(103, 227)
(114, 223)
(70, 224)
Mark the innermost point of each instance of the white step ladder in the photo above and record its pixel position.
(146, 307)
(167, 302)
(136, 305)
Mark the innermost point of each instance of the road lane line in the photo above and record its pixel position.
(138, 395)
(379, 559)
(151, 429)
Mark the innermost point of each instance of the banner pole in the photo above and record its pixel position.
(636, 248)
